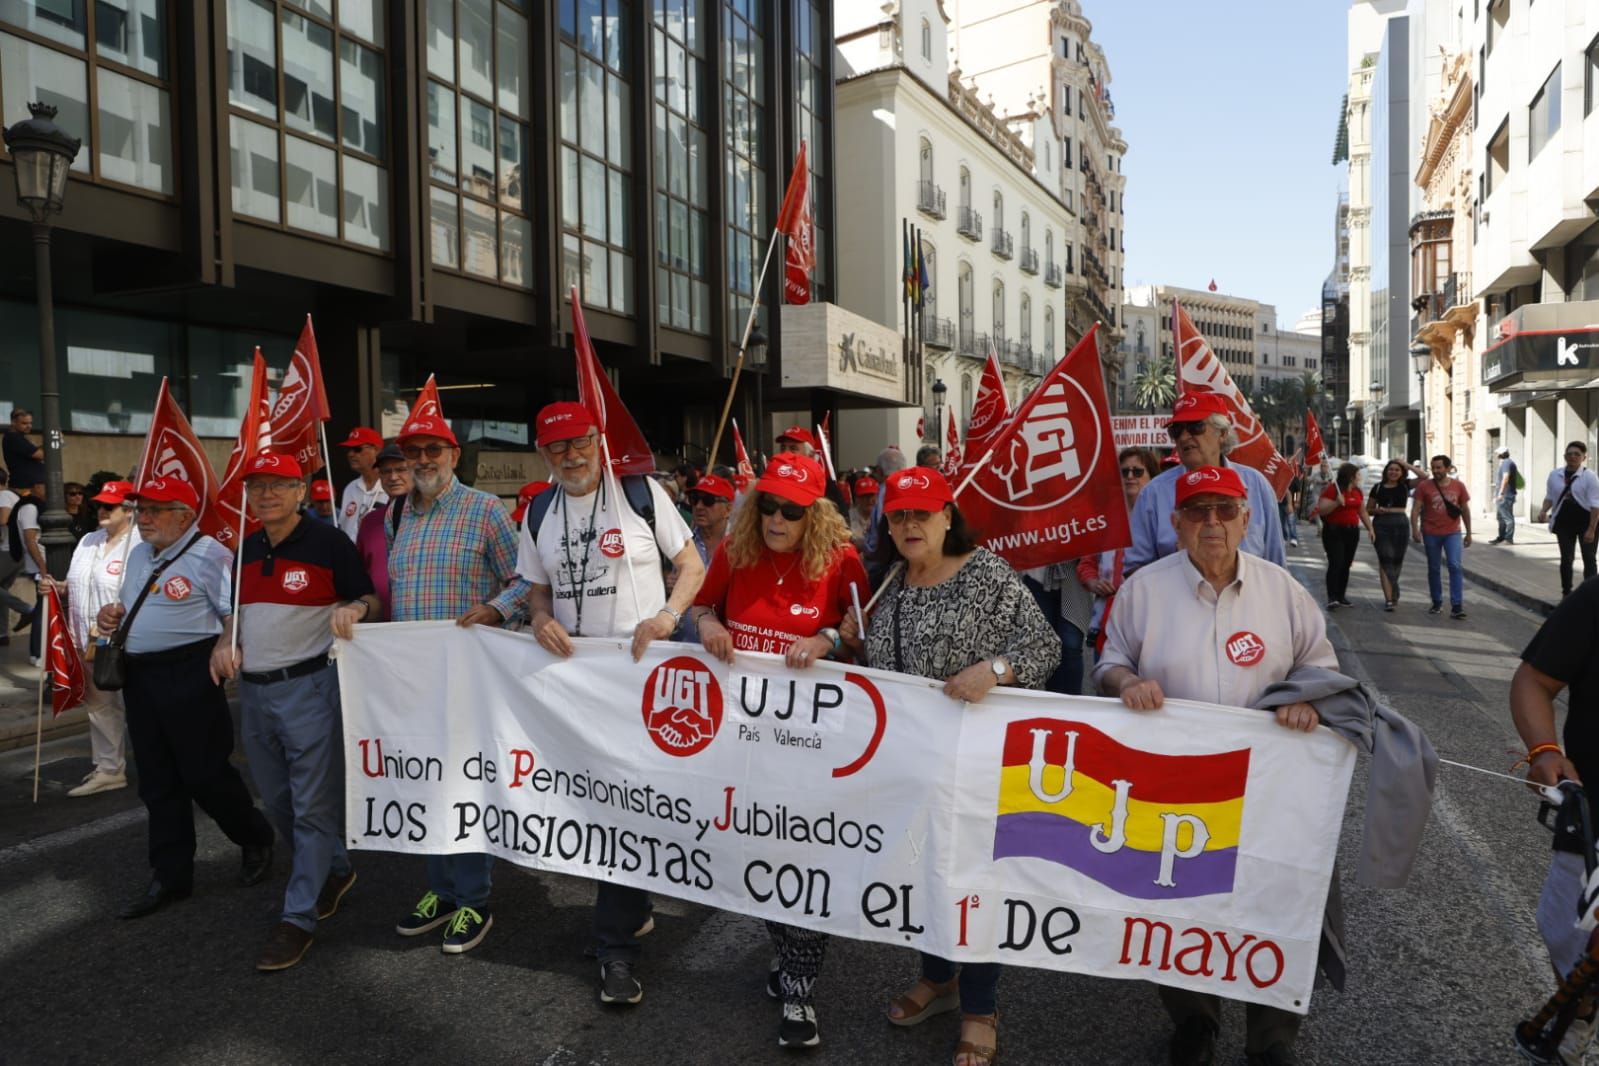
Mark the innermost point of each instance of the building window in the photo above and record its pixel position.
(112, 59)
(1049, 249)
(999, 210)
(1027, 232)
(966, 411)
(1543, 114)
(999, 313)
(682, 166)
(811, 102)
(1498, 162)
(1027, 321)
(927, 41)
(1590, 65)
(1066, 154)
(965, 296)
(748, 129)
(1049, 336)
(596, 168)
(925, 161)
(966, 188)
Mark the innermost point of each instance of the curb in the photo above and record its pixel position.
(20, 734)
(1537, 605)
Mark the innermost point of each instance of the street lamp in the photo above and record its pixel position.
(1377, 390)
(1421, 361)
(939, 389)
(41, 153)
(755, 348)
(1338, 425)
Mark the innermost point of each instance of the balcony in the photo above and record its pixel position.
(977, 348)
(1029, 262)
(1052, 278)
(1003, 245)
(969, 224)
(966, 341)
(1441, 316)
(930, 199)
(938, 332)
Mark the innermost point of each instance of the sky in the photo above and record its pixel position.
(1229, 109)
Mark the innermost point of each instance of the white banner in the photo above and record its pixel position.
(1190, 846)
(1140, 431)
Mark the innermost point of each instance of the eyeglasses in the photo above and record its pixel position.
(900, 517)
(148, 508)
(78, 495)
(582, 444)
(770, 505)
(270, 488)
(695, 499)
(1193, 429)
(107, 506)
(1200, 512)
(417, 451)
(1134, 471)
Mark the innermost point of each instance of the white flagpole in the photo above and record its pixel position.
(860, 616)
(619, 501)
(238, 578)
(327, 459)
(44, 679)
(738, 365)
(887, 580)
(827, 453)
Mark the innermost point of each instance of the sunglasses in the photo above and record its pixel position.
(770, 505)
(582, 444)
(900, 517)
(695, 499)
(107, 506)
(1199, 512)
(417, 451)
(1134, 471)
(1193, 429)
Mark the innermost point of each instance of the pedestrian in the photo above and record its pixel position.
(176, 593)
(81, 512)
(23, 458)
(864, 492)
(10, 563)
(26, 547)
(958, 614)
(1342, 515)
(797, 439)
(780, 583)
(302, 582)
(1505, 478)
(1571, 505)
(1169, 635)
(1389, 500)
(1104, 573)
(1068, 607)
(321, 505)
(453, 555)
(928, 457)
(591, 560)
(380, 524)
(1201, 428)
(712, 501)
(889, 461)
(365, 490)
(1439, 512)
(94, 580)
(1292, 501)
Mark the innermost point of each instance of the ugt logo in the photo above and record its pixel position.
(682, 706)
(1047, 460)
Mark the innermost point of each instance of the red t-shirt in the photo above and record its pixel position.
(1435, 518)
(766, 614)
(1348, 514)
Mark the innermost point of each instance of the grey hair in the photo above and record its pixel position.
(890, 460)
(1224, 431)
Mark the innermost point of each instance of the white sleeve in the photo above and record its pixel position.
(671, 532)
(528, 563)
(218, 576)
(1585, 490)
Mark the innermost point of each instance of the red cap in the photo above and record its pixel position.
(562, 421)
(916, 489)
(360, 437)
(524, 496)
(427, 427)
(1211, 480)
(168, 490)
(800, 435)
(1194, 406)
(321, 490)
(273, 464)
(796, 478)
(114, 492)
(712, 485)
(865, 486)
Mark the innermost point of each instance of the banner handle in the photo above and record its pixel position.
(45, 674)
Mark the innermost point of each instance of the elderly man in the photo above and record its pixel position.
(712, 501)
(302, 583)
(797, 439)
(379, 526)
(453, 556)
(366, 491)
(583, 587)
(1202, 432)
(177, 588)
(1173, 631)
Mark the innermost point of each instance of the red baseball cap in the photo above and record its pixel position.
(360, 437)
(168, 490)
(321, 490)
(799, 435)
(524, 496)
(1210, 480)
(274, 464)
(712, 485)
(427, 427)
(564, 420)
(1194, 406)
(796, 478)
(114, 492)
(916, 489)
(865, 486)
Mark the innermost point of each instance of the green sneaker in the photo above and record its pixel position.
(466, 930)
(430, 913)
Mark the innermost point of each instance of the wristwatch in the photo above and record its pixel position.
(1001, 667)
(833, 635)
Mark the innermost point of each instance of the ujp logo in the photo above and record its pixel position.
(177, 588)
(114, 567)
(801, 609)
(791, 471)
(1198, 476)
(349, 509)
(912, 480)
(1245, 648)
(296, 580)
(611, 544)
(682, 706)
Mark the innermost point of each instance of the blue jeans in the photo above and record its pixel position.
(1445, 546)
(294, 739)
(1290, 521)
(979, 981)
(1506, 512)
(619, 912)
(463, 880)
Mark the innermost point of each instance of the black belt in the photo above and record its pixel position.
(299, 669)
(172, 655)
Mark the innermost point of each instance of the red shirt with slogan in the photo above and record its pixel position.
(1347, 512)
(768, 606)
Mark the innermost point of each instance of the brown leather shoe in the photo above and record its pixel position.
(286, 946)
(333, 890)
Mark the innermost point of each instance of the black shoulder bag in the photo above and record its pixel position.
(110, 661)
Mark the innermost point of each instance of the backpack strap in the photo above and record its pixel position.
(635, 489)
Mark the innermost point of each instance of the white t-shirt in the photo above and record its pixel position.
(28, 519)
(357, 502)
(95, 579)
(579, 555)
(8, 500)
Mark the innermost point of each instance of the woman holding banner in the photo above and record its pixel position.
(781, 582)
(959, 614)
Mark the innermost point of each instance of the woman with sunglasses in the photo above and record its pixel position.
(85, 519)
(958, 614)
(1102, 574)
(1340, 508)
(780, 583)
(94, 579)
(1388, 507)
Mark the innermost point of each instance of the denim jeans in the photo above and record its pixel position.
(463, 880)
(1506, 513)
(1445, 547)
(1290, 521)
(979, 981)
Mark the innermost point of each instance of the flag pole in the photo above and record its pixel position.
(238, 577)
(45, 673)
(827, 453)
(615, 483)
(738, 364)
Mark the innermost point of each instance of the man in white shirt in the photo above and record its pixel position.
(1571, 504)
(9, 567)
(366, 491)
(27, 510)
(595, 567)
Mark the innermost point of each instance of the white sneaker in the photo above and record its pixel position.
(99, 782)
(1574, 1045)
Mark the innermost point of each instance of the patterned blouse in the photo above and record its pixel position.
(982, 612)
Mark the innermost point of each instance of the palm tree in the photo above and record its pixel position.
(1155, 385)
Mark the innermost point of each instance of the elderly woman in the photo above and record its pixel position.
(1212, 622)
(959, 614)
(780, 582)
(1341, 513)
(1387, 505)
(1103, 574)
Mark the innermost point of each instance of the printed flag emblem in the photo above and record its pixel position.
(177, 588)
(1245, 649)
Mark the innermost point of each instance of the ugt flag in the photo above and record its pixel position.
(990, 410)
(1315, 447)
(795, 222)
(62, 663)
(173, 450)
(951, 464)
(744, 472)
(1047, 490)
(255, 437)
(302, 405)
(628, 451)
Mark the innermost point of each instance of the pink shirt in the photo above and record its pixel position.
(373, 547)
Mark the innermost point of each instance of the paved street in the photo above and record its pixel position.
(1439, 973)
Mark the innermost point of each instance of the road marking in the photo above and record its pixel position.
(65, 838)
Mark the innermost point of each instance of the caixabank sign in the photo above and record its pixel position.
(1543, 347)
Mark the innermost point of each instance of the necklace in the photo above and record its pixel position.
(782, 575)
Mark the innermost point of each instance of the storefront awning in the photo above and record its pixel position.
(1543, 347)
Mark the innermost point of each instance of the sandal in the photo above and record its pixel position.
(941, 999)
(978, 1054)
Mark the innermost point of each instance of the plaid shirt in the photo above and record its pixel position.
(458, 553)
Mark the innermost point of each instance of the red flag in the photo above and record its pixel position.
(921, 428)
(1315, 447)
(1049, 490)
(951, 464)
(630, 453)
(172, 450)
(989, 411)
(302, 404)
(61, 660)
(744, 475)
(795, 222)
(427, 403)
(1198, 369)
(255, 437)
(1212, 284)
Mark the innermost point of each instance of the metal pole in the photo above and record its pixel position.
(55, 535)
(1421, 415)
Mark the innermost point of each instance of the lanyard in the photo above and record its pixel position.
(579, 581)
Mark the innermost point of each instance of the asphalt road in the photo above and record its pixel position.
(1439, 972)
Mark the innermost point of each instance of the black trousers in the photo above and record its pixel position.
(1340, 543)
(182, 737)
(1570, 524)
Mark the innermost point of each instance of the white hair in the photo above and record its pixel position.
(1224, 431)
(890, 460)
